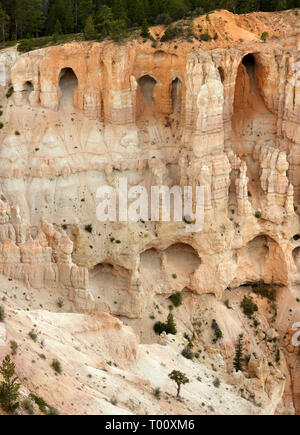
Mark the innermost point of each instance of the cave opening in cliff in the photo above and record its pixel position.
(28, 88)
(182, 257)
(176, 92)
(108, 281)
(173, 267)
(253, 123)
(147, 85)
(260, 260)
(68, 83)
(221, 73)
(249, 63)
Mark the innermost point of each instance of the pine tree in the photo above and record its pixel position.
(89, 29)
(139, 14)
(57, 31)
(118, 9)
(118, 30)
(68, 17)
(9, 388)
(4, 21)
(180, 379)
(239, 359)
(85, 9)
(145, 29)
(37, 20)
(58, 28)
(154, 9)
(230, 5)
(30, 17)
(245, 6)
(171, 326)
(103, 19)
(178, 9)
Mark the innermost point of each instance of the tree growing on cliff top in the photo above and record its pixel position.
(9, 388)
(4, 21)
(118, 30)
(89, 29)
(85, 10)
(57, 31)
(145, 29)
(104, 17)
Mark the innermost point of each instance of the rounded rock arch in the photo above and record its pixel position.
(67, 85)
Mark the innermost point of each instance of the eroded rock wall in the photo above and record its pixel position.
(84, 115)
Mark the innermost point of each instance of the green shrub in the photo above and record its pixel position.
(217, 331)
(2, 314)
(52, 411)
(169, 327)
(9, 92)
(176, 299)
(1, 125)
(205, 37)
(217, 383)
(60, 303)
(258, 214)
(264, 36)
(248, 306)
(43, 406)
(13, 347)
(88, 228)
(56, 365)
(28, 406)
(187, 353)
(157, 393)
(32, 335)
(26, 45)
(264, 290)
(159, 327)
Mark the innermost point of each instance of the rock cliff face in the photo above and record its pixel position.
(84, 115)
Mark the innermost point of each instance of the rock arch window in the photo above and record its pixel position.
(147, 85)
(68, 84)
(176, 94)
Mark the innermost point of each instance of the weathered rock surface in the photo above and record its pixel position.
(86, 114)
